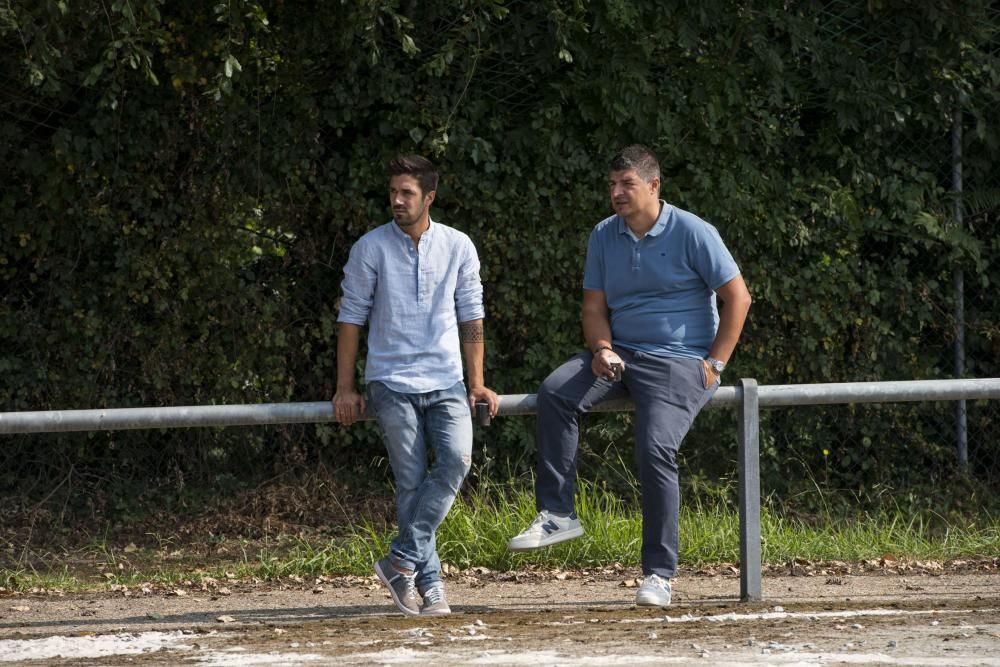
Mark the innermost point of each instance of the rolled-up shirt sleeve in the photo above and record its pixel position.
(358, 287)
(469, 287)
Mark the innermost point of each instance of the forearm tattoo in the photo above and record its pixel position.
(471, 332)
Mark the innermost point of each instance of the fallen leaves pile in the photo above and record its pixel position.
(213, 587)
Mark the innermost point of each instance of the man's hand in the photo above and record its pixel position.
(601, 363)
(711, 377)
(348, 406)
(477, 394)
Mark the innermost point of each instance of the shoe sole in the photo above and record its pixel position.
(392, 591)
(439, 612)
(561, 536)
(650, 602)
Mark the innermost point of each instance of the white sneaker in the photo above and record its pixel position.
(547, 529)
(654, 592)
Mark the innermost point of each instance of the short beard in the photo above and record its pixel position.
(409, 223)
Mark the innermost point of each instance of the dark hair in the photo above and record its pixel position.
(637, 157)
(418, 167)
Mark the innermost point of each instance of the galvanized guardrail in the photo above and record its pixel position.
(747, 397)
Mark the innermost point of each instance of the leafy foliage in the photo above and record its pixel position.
(182, 183)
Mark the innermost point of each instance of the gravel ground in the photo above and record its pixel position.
(811, 615)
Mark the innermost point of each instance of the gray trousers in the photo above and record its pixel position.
(668, 393)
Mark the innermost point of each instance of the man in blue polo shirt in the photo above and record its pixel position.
(652, 275)
(416, 283)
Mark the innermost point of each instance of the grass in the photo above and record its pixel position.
(476, 531)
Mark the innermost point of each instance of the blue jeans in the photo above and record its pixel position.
(668, 393)
(409, 424)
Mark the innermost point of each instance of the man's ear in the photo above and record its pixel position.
(430, 196)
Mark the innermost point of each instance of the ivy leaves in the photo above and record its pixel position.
(183, 182)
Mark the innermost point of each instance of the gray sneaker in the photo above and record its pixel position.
(435, 603)
(401, 586)
(654, 592)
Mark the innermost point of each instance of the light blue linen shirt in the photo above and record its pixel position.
(413, 298)
(660, 289)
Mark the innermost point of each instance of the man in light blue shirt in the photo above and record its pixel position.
(650, 319)
(416, 283)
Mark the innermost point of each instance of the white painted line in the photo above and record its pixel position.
(90, 646)
(239, 657)
(780, 615)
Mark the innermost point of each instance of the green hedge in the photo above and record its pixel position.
(182, 183)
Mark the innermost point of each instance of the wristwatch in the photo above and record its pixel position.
(717, 366)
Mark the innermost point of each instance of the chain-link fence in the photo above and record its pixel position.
(981, 343)
(914, 455)
(942, 457)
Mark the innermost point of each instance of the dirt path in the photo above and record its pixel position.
(945, 618)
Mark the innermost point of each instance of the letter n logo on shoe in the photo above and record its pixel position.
(550, 527)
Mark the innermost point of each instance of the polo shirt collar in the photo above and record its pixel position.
(658, 226)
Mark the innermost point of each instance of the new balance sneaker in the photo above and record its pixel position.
(654, 592)
(435, 603)
(401, 586)
(547, 529)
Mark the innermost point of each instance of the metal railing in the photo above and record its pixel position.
(747, 397)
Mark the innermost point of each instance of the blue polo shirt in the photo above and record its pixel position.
(660, 289)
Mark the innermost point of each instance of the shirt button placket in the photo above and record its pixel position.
(415, 262)
(421, 281)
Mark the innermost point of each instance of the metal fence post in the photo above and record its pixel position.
(958, 288)
(749, 490)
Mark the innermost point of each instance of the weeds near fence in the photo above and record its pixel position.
(478, 527)
(476, 531)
